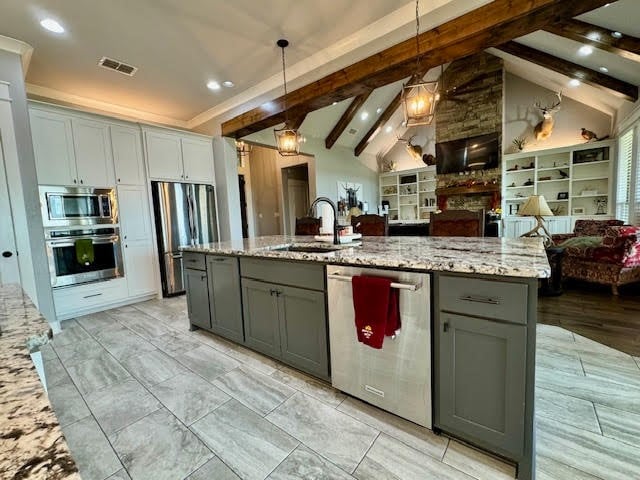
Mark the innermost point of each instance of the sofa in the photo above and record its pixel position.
(603, 251)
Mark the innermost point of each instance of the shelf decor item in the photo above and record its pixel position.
(419, 98)
(578, 211)
(520, 142)
(536, 206)
(287, 139)
(563, 196)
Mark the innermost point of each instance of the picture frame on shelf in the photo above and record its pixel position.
(578, 211)
(563, 196)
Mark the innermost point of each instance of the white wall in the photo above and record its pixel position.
(521, 116)
(225, 160)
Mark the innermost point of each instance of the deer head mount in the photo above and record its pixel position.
(414, 150)
(544, 129)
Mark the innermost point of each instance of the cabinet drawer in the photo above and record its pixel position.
(83, 297)
(195, 261)
(484, 298)
(222, 260)
(284, 273)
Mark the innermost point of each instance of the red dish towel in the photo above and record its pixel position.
(377, 308)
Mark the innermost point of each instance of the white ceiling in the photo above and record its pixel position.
(180, 45)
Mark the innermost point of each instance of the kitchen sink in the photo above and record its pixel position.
(307, 249)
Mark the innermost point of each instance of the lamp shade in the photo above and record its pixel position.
(535, 206)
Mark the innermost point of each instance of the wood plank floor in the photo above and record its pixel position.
(592, 311)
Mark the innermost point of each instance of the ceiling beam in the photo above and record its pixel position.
(488, 26)
(296, 122)
(627, 47)
(573, 70)
(346, 118)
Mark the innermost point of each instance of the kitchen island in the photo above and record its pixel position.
(31, 439)
(468, 323)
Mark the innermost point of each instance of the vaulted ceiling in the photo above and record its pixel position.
(180, 46)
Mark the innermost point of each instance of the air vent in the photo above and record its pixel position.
(352, 131)
(111, 64)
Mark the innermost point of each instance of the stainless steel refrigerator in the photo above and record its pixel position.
(185, 214)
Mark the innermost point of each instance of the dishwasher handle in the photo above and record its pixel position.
(400, 286)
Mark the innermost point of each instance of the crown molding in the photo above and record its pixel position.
(98, 106)
(19, 47)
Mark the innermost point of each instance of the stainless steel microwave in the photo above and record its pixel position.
(77, 206)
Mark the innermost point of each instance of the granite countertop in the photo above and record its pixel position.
(514, 257)
(31, 439)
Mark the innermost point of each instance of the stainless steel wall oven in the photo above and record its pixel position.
(103, 255)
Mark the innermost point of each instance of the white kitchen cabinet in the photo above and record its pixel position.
(94, 161)
(53, 148)
(197, 157)
(179, 157)
(164, 154)
(140, 260)
(127, 155)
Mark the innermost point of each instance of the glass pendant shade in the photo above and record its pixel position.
(419, 101)
(287, 141)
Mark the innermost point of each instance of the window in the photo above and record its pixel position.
(628, 192)
(625, 167)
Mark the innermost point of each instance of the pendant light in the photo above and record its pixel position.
(419, 99)
(287, 139)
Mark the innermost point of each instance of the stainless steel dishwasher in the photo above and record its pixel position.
(396, 378)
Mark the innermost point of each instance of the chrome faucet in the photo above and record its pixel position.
(336, 240)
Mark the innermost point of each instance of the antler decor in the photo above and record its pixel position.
(544, 129)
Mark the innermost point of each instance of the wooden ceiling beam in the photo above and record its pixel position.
(598, 37)
(346, 118)
(487, 26)
(572, 70)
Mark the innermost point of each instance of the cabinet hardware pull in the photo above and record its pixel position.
(219, 259)
(472, 298)
(445, 327)
(94, 295)
(75, 181)
(203, 277)
(82, 182)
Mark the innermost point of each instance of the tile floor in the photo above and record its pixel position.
(140, 397)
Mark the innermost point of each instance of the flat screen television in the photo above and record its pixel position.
(468, 154)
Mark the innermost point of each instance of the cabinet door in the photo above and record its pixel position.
(93, 153)
(140, 268)
(164, 156)
(303, 329)
(127, 155)
(224, 297)
(481, 381)
(558, 224)
(197, 156)
(133, 211)
(53, 148)
(261, 326)
(197, 297)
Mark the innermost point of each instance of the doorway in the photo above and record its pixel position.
(295, 192)
(243, 206)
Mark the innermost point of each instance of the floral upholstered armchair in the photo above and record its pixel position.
(601, 251)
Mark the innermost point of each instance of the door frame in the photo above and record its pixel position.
(9, 267)
(287, 162)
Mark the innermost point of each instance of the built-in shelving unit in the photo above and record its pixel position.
(575, 181)
(411, 194)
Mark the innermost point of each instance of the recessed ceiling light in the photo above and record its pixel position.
(388, 129)
(228, 83)
(574, 82)
(604, 69)
(616, 34)
(585, 50)
(606, 5)
(364, 115)
(213, 85)
(52, 25)
(334, 103)
(595, 36)
(379, 110)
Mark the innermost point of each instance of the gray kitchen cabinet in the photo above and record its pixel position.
(303, 329)
(225, 303)
(261, 317)
(196, 284)
(481, 392)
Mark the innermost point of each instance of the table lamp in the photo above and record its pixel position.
(536, 206)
